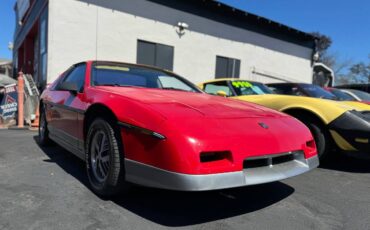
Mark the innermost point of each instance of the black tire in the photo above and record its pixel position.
(321, 136)
(107, 179)
(44, 139)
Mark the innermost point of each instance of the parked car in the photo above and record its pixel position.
(302, 89)
(340, 94)
(311, 90)
(332, 123)
(361, 87)
(357, 95)
(148, 126)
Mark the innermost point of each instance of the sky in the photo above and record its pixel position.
(347, 22)
(7, 24)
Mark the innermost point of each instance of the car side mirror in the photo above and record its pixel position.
(69, 86)
(221, 93)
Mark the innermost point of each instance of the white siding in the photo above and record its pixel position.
(80, 31)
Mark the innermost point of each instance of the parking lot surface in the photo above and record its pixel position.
(48, 189)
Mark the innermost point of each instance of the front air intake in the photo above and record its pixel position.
(271, 160)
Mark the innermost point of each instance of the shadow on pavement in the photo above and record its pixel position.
(342, 162)
(70, 163)
(176, 209)
(171, 208)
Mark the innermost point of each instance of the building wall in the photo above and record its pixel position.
(82, 30)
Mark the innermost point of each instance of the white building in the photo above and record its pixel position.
(198, 39)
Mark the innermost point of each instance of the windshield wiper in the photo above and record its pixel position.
(177, 89)
(118, 85)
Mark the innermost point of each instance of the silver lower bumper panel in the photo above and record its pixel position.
(150, 176)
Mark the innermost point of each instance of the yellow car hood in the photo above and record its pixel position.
(327, 110)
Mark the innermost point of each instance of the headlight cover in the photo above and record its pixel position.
(362, 114)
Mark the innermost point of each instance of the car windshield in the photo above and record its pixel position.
(121, 75)
(317, 91)
(342, 96)
(249, 88)
(360, 94)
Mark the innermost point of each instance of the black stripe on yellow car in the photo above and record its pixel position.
(351, 131)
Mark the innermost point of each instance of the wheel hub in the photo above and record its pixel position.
(100, 161)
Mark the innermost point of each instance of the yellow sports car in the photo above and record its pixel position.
(333, 124)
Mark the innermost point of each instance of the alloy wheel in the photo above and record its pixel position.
(100, 159)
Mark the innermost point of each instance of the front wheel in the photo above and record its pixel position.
(322, 138)
(104, 159)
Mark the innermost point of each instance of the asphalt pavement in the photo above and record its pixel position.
(47, 188)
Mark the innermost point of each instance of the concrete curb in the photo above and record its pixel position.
(19, 129)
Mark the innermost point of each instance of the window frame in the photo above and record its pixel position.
(234, 71)
(156, 48)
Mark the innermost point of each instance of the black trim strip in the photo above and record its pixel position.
(80, 111)
(67, 141)
(142, 130)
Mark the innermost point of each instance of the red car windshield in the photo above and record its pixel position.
(121, 75)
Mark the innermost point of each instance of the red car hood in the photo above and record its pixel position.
(175, 104)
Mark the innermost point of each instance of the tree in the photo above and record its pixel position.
(344, 69)
(323, 42)
(356, 73)
(361, 71)
(330, 59)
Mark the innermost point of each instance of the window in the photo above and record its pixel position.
(316, 91)
(360, 94)
(213, 88)
(173, 83)
(342, 96)
(286, 89)
(250, 88)
(154, 54)
(227, 67)
(76, 75)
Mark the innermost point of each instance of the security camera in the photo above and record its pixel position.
(316, 56)
(183, 25)
(10, 46)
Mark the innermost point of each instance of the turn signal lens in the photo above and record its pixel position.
(310, 149)
(311, 144)
(214, 156)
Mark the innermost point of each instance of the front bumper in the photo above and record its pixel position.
(351, 131)
(150, 176)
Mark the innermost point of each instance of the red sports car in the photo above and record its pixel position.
(148, 126)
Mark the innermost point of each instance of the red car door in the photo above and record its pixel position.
(65, 110)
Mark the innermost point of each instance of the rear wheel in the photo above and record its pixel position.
(104, 159)
(44, 139)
